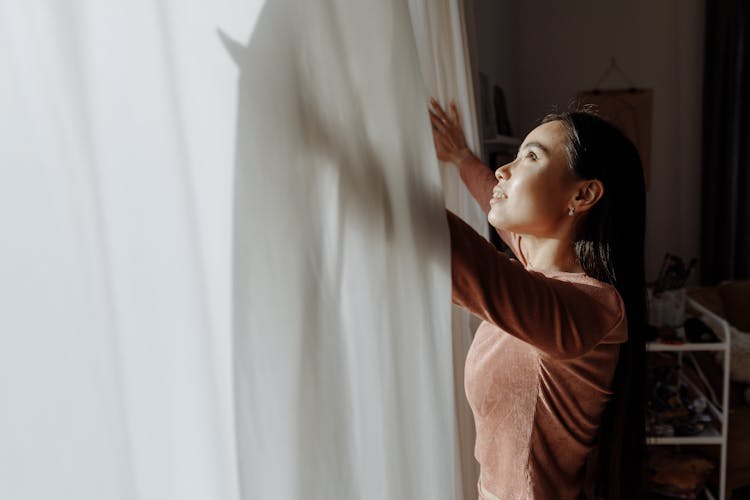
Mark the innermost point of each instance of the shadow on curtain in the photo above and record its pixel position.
(342, 343)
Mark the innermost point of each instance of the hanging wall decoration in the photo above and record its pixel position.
(630, 108)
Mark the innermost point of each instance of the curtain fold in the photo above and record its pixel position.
(116, 142)
(725, 225)
(343, 357)
(443, 43)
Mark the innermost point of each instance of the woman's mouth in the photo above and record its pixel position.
(497, 195)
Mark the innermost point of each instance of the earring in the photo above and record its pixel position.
(571, 211)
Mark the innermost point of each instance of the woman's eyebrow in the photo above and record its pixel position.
(535, 144)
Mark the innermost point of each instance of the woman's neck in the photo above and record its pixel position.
(550, 254)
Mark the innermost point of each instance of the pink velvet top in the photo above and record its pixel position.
(539, 371)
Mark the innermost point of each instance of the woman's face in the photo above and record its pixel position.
(534, 191)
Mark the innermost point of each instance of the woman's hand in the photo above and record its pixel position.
(450, 142)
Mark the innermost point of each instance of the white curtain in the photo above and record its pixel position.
(116, 157)
(127, 130)
(443, 42)
(343, 355)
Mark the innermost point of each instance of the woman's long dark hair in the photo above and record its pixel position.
(609, 245)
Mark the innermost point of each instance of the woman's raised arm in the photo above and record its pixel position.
(450, 146)
(557, 317)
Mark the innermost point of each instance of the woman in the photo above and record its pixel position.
(554, 373)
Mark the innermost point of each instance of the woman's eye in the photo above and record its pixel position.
(531, 155)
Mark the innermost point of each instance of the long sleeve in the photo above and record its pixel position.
(561, 318)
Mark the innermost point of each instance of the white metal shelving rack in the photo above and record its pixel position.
(711, 435)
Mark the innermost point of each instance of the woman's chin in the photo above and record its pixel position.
(495, 219)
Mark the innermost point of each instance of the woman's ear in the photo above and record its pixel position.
(589, 192)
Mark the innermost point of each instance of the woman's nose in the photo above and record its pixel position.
(501, 173)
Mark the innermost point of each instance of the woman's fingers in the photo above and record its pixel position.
(456, 118)
(435, 105)
(437, 122)
(439, 111)
(447, 135)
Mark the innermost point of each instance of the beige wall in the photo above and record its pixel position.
(548, 50)
(497, 39)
